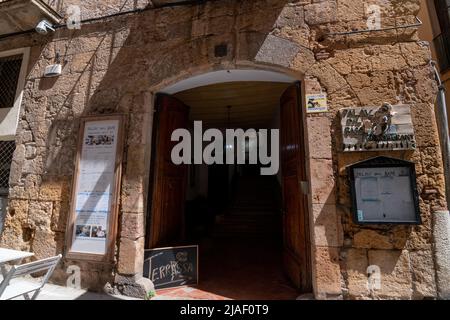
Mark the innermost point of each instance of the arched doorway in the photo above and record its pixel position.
(252, 229)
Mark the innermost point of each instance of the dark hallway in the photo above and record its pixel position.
(232, 211)
(241, 255)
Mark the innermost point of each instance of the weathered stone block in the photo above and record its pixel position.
(52, 190)
(132, 197)
(133, 225)
(44, 244)
(131, 259)
(349, 10)
(329, 78)
(321, 12)
(425, 127)
(39, 215)
(396, 279)
(304, 60)
(327, 272)
(319, 137)
(322, 181)
(375, 89)
(356, 263)
(425, 84)
(431, 160)
(141, 124)
(136, 161)
(278, 51)
(441, 252)
(290, 16)
(16, 165)
(327, 226)
(134, 286)
(422, 266)
(15, 219)
(418, 54)
(59, 216)
(371, 239)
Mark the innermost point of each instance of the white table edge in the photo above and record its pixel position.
(14, 255)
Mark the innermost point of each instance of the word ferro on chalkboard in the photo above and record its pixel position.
(172, 271)
(172, 266)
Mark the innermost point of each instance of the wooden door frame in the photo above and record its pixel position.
(302, 104)
(302, 127)
(149, 223)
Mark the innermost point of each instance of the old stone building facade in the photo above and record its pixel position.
(116, 65)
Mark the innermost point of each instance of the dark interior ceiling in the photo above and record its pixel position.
(253, 104)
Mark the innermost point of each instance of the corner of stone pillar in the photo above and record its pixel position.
(327, 274)
(441, 252)
(135, 286)
(128, 279)
(325, 226)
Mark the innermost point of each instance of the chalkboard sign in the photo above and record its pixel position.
(384, 190)
(171, 267)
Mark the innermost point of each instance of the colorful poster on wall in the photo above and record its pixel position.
(316, 103)
(95, 186)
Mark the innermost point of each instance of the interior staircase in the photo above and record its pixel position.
(254, 210)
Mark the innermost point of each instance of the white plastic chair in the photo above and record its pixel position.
(12, 287)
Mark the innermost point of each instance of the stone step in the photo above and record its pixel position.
(245, 224)
(253, 207)
(248, 218)
(244, 231)
(253, 212)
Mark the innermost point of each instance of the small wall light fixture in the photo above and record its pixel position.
(43, 27)
(54, 70)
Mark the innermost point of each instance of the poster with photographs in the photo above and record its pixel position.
(95, 187)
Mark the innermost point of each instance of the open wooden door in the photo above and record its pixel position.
(296, 251)
(166, 217)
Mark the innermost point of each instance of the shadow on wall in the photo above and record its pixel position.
(374, 246)
(110, 67)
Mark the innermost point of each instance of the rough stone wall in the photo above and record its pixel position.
(95, 8)
(117, 66)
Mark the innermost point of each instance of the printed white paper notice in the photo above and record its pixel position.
(369, 189)
(94, 190)
(384, 194)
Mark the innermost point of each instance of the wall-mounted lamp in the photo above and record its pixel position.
(43, 27)
(54, 70)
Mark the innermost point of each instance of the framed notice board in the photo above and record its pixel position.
(92, 225)
(172, 266)
(384, 191)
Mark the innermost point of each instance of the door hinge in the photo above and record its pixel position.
(304, 187)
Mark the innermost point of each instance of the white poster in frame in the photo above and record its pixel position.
(94, 197)
(384, 191)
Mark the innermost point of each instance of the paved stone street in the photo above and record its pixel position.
(54, 292)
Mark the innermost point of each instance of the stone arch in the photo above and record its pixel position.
(297, 67)
(161, 61)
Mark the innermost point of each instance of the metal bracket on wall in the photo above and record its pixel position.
(414, 25)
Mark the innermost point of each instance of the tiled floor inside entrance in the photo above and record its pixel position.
(237, 268)
(240, 257)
